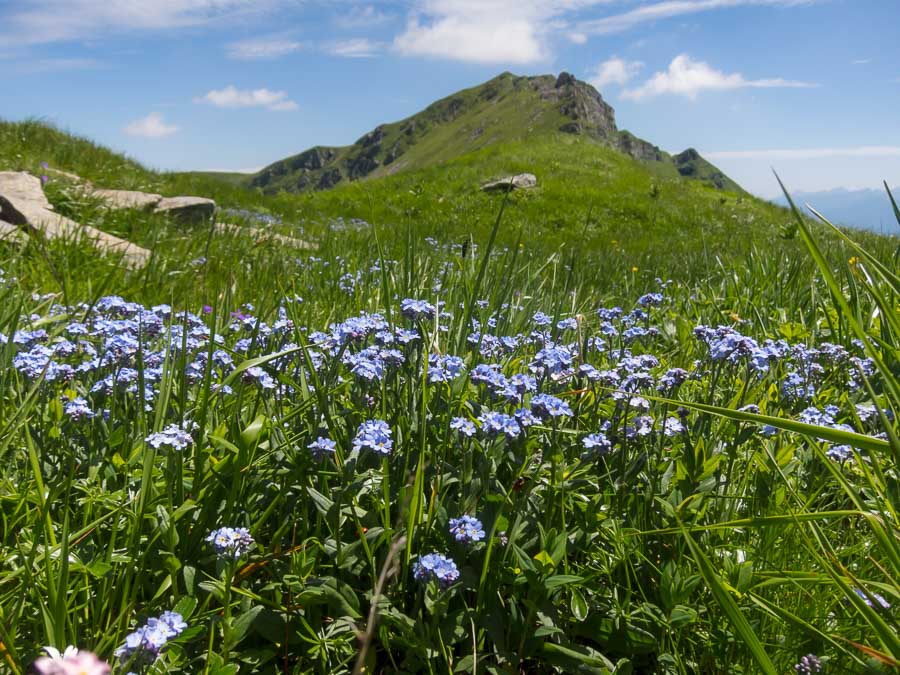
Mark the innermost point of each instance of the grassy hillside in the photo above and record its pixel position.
(629, 221)
(505, 449)
(506, 109)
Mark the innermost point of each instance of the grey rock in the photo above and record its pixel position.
(23, 204)
(12, 233)
(187, 209)
(522, 181)
(128, 199)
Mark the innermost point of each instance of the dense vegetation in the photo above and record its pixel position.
(455, 438)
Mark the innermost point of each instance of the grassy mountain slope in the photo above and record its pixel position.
(615, 212)
(505, 109)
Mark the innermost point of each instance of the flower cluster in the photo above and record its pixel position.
(144, 644)
(374, 435)
(230, 542)
(172, 437)
(437, 567)
(808, 665)
(466, 529)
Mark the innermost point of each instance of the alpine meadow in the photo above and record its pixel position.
(497, 388)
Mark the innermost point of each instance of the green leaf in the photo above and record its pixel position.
(242, 624)
(561, 580)
(578, 605)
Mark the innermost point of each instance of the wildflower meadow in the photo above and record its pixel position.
(455, 459)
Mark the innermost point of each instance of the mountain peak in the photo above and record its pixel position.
(505, 108)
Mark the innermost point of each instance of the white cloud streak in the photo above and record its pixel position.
(614, 71)
(232, 97)
(46, 21)
(686, 77)
(262, 48)
(807, 153)
(366, 16)
(356, 48)
(668, 9)
(151, 126)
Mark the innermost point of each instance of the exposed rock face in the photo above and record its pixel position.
(128, 199)
(691, 164)
(638, 148)
(580, 102)
(23, 204)
(187, 209)
(10, 232)
(522, 181)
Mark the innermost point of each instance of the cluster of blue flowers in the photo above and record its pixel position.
(230, 542)
(434, 566)
(172, 437)
(144, 644)
(466, 529)
(374, 435)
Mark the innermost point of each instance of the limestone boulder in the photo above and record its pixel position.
(128, 199)
(187, 209)
(521, 181)
(24, 205)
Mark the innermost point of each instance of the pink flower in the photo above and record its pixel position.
(70, 662)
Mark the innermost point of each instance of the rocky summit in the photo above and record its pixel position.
(506, 108)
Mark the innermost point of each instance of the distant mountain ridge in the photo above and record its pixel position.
(505, 108)
(868, 209)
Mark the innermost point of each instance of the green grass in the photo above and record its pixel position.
(719, 549)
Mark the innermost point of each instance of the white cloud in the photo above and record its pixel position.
(232, 97)
(614, 71)
(45, 21)
(808, 153)
(151, 126)
(478, 31)
(860, 62)
(262, 48)
(365, 16)
(667, 9)
(577, 38)
(356, 48)
(686, 77)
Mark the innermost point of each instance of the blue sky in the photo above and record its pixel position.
(809, 87)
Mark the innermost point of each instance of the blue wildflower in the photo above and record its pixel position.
(545, 405)
(374, 435)
(464, 426)
(466, 529)
(417, 309)
(172, 436)
(230, 542)
(872, 599)
(494, 423)
(598, 442)
(435, 566)
(322, 447)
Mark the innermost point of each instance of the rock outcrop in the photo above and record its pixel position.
(24, 205)
(187, 209)
(521, 181)
(128, 199)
